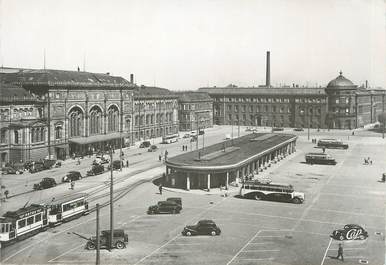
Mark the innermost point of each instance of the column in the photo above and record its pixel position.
(227, 181)
(237, 177)
(187, 181)
(208, 184)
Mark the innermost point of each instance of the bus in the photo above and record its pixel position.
(332, 143)
(170, 138)
(319, 158)
(271, 191)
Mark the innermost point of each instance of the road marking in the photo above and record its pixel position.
(261, 250)
(325, 253)
(260, 243)
(258, 232)
(348, 249)
(64, 253)
(354, 257)
(255, 259)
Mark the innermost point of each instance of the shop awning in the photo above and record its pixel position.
(98, 138)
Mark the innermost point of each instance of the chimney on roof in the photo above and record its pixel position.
(132, 78)
(108, 73)
(367, 84)
(78, 69)
(268, 71)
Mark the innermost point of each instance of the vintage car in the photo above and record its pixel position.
(11, 170)
(203, 227)
(177, 200)
(165, 207)
(298, 129)
(72, 176)
(350, 232)
(120, 239)
(145, 144)
(152, 148)
(117, 164)
(100, 160)
(96, 170)
(46, 183)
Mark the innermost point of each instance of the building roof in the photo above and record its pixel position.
(244, 148)
(189, 96)
(10, 93)
(269, 91)
(52, 78)
(340, 82)
(152, 92)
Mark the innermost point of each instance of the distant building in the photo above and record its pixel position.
(340, 105)
(155, 113)
(83, 112)
(23, 125)
(195, 110)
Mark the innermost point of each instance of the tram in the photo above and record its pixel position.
(67, 208)
(23, 223)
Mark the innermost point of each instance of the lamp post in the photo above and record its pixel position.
(111, 200)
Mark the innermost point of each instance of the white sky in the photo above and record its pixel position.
(181, 44)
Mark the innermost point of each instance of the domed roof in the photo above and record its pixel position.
(340, 81)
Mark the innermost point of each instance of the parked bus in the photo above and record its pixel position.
(271, 191)
(319, 158)
(332, 143)
(170, 138)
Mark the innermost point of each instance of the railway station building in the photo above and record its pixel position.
(231, 161)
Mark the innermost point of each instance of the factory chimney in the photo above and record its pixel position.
(268, 71)
(132, 78)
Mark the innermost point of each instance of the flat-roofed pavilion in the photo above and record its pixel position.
(229, 161)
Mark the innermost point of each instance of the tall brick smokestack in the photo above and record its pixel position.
(268, 71)
(132, 78)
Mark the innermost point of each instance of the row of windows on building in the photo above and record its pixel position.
(195, 106)
(266, 108)
(149, 119)
(21, 113)
(270, 100)
(152, 106)
(37, 135)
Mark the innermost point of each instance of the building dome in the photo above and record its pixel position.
(340, 82)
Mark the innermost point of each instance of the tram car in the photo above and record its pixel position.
(27, 221)
(66, 208)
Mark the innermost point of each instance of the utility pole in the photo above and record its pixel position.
(98, 258)
(232, 132)
(238, 132)
(308, 130)
(111, 200)
(197, 131)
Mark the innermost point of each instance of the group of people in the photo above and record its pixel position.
(368, 161)
(165, 156)
(184, 148)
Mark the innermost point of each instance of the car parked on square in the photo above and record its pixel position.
(350, 232)
(203, 227)
(45, 183)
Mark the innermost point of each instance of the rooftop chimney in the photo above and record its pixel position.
(367, 84)
(132, 78)
(268, 71)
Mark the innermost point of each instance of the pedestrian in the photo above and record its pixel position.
(352, 133)
(160, 188)
(127, 162)
(340, 252)
(371, 162)
(160, 157)
(324, 149)
(78, 162)
(6, 192)
(72, 184)
(183, 148)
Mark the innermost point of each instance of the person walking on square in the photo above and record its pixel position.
(340, 252)
(160, 189)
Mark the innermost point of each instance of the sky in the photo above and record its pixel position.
(184, 45)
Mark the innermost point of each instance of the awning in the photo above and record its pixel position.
(97, 138)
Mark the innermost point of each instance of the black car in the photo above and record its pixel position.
(177, 200)
(203, 227)
(117, 164)
(165, 207)
(277, 129)
(96, 170)
(120, 240)
(152, 148)
(11, 170)
(298, 129)
(145, 144)
(46, 183)
(72, 176)
(350, 232)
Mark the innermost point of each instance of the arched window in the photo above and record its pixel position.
(113, 119)
(16, 139)
(58, 131)
(95, 120)
(75, 121)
